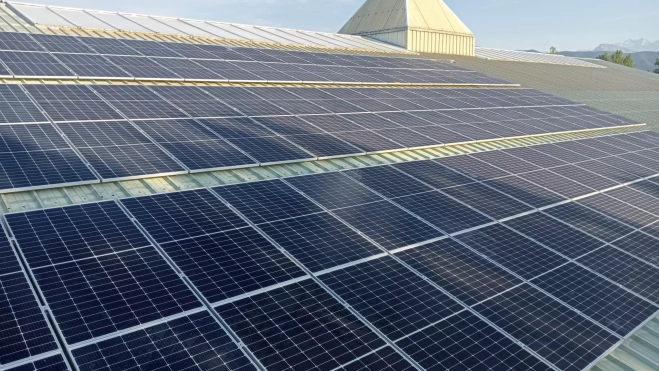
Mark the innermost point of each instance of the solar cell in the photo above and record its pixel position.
(505, 161)
(188, 50)
(18, 41)
(385, 359)
(87, 65)
(333, 190)
(525, 191)
(270, 150)
(320, 241)
(37, 137)
(408, 138)
(387, 181)
(563, 337)
(590, 221)
(31, 64)
(206, 155)
(486, 200)
(388, 225)
(8, 259)
(555, 235)
(390, 296)
(535, 157)
(194, 342)
(464, 341)
(71, 103)
(512, 250)
(116, 162)
(225, 264)
(180, 215)
(53, 363)
(25, 332)
(229, 71)
(41, 168)
(404, 119)
(597, 298)
(59, 235)
(299, 327)
(443, 212)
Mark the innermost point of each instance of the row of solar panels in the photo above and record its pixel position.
(375, 268)
(38, 155)
(54, 57)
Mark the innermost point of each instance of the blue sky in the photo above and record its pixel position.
(508, 24)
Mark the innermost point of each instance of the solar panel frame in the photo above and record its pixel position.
(384, 359)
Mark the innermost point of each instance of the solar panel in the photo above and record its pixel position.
(641, 245)
(71, 103)
(117, 162)
(85, 65)
(525, 191)
(103, 134)
(267, 201)
(584, 177)
(108, 46)
(371, 121)
(619, 210)
(625, 270)
(387, 181)
(324, 145)
(384, 359)
(390, 296)
(36, 137)
(333, 190)
(138, 102)
(597, 298)
(53, 363)
(196, 341)
(270, 150)
(433, 174)
(559, 184)
(388, 225)
(142, 67)
(472, 167)
(17, 41)
(486, 200)
(31, 64)
(319, 241)
(299, 327)
(442, 211)
(61, 44)
(234, 128)
(519, 254)
(187, 69)
(464, 341)
(555, 235)
(152, 48)
(182, 215)
(25, 332)
(548, 327)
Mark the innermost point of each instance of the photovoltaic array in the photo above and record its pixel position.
(353, 269)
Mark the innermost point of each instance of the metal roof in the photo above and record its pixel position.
(53, 16)
(520, 56)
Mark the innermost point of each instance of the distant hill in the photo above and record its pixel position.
(630, 46)
(642, 60)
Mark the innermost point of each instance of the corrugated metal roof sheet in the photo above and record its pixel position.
(519, 56)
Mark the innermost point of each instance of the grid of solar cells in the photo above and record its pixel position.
(387, 181)
(619, 210)
(267, 201)
(17, 41)
(31, 64)
(565, 187)
(643, 246)
(391, 297)
(473, 167)
(563, 337)
(187, 69)
(333, 190)
(368, 141)
(486, 200)
(141, 67)
(152, 48)
(25, 332)
(16, 106)
(519, 254)
(387, 224)
(636, 198)
(53, 363)
(117, 149)
(194, 145)
(58, 44)
(555, 235)
(590, 221)
(194, 101)
(271, 150)
(625, 270)
(138, 102)
(597, 298)
(433, 174)
(26, 138)
(42, 168)
(71, 103)
(525, 191)
(385, 359)
(464, 341)
(108, 46)
(195, 342)
(299, 327)
(180, 215)
(89, 65)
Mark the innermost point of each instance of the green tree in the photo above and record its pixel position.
(618, 58)
(656, 64)
(553, 50)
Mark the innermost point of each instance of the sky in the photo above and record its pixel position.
(507, 24)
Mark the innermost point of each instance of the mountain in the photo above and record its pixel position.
(642, 60)
(630, 46)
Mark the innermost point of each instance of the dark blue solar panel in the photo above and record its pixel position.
(486, 200)
(187, 69)
(333, 190)
(387, 181)
(179, 215)
(206, 155)
(103, 134)
(16, 106)
(59, 235)
(388, 225)
(267, 201)
(619, 210)
(25, 138)
(25, 332)
(473, 167)
(385, 359)
(299, 327)
(390, 296)
(512, 250)
(641, 245)
(19, 42)
(8, 259)
(108, 46)
(555, 235)
(71, 103)
(142, 67)
(597, 298)
(465, 342)
(226, 264)
(563, 337)
(118, 162)
(368, 141)
(85, 65)
(443, 212)
(268, 150)
(143, 288)
(62, 44)
(433, 174)
(590, 221)
(41, 168)
(320, 241)
(53, 363)
(324, 145)
(195, 342)
(525, 191)
(30, 64)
